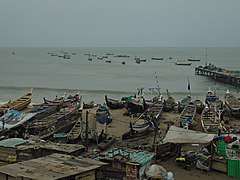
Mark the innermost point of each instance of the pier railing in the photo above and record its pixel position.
(219, 74)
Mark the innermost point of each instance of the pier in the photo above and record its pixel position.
(219, 74)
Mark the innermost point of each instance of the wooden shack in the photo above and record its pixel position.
(54, 166)
(8, 149)
(34, 150)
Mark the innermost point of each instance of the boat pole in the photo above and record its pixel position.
(86, 137)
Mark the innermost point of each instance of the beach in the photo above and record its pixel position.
(120, 125)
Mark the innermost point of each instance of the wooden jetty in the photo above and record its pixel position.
(219, 74)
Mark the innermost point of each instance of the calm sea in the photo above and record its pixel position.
(24, 68)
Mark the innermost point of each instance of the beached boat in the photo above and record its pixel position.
(65, 101)
(103, 115)
(75, 132)
(134, 104)
(213, 100)
(13, 118)
(199, 105)
(169, 103)
(107, 142)
(148, 120)
(18, 104)
(194, 59)
(113, 103)
(61, 121)
(187, 115)
(233, 104)
(210, 121)
(182, 63)
(88, 105)
(184, 102)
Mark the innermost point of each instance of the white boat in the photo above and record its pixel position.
(194, 59)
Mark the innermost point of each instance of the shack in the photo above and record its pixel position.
(34, 150)
(124, 163)
(54, 166)
(8, 149)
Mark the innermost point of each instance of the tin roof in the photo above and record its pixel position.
(13, 142)
(139, 157)
(54, 166)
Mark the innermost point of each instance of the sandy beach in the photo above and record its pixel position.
(120, 124)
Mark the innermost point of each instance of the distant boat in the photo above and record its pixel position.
(108, 61)
(194, 59)
(66, 56)
(157, 58)
(183, 63)
(123, 63)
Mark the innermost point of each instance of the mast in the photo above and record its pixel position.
(206, 57)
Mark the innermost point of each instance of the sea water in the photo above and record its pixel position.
(24, 68)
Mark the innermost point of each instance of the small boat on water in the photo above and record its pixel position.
(157, 58)
(187, 115)
(183, 63)
(194, 59)
(232, 103)
(114, 104)
(18, 104)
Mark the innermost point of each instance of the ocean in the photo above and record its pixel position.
(24, 68)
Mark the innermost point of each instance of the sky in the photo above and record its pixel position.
(119, 23)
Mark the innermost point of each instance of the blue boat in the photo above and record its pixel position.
(103, 115)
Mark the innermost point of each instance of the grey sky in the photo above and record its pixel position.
(80, 23)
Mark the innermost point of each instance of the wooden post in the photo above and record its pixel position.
(86, 137)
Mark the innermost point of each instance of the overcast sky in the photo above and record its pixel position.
(107, 23)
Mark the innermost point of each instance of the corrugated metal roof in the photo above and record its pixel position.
(139, 157)
(13, 142)
(54, 166)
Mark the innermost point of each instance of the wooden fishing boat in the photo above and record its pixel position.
(184, 102)
(61, 121)
(199, 105)
(18, 104)
(109, 140)
(75, 132)
(146, 121)
(187, 115)
(66, 101)
(135, 105)
(157, 58)
(213, 100)
(103, 115)
(114, 104)
(233, 104)
(88, 105)
(169, 103)
(210, 121)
